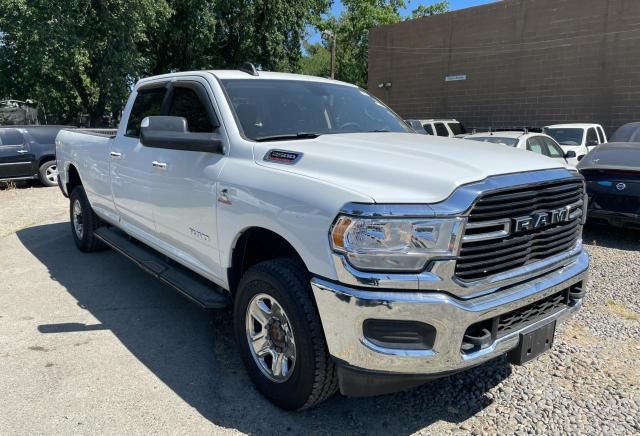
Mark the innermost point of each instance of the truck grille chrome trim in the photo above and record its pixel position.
(547, 214)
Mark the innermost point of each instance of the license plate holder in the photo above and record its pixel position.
(533, 344)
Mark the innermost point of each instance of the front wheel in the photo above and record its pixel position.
(84, 221)
(280, 336)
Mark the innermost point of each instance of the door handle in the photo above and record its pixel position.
(23, 151)
(115, 155)
(159, 165)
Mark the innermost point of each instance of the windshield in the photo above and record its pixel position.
(511, 142)
(566, 136)
(276, 109)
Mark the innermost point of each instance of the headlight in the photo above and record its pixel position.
(391, 244)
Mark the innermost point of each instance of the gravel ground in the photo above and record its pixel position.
(90, 344)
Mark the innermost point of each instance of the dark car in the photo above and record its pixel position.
(612, 174)
(29, 152)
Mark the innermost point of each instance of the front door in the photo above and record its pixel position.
(16, 159)
(185, 184)
(131, 166)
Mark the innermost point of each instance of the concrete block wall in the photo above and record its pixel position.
(527, 63)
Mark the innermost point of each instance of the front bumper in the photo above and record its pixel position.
(343, 311)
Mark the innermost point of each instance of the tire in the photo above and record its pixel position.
(48, 173)
(312, 377)
(83, 221)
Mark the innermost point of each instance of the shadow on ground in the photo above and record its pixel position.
(611, 237)
(193, 353)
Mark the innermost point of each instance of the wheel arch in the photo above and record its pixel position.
(258, 244)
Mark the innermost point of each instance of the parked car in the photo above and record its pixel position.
(358, 255)
(580, 138)
(448, 128)
(29, 152)
(524, 140)
(612, 174)
(628, 133)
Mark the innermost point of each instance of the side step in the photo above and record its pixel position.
(202, 292)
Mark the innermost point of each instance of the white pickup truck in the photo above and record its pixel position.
(357, 255)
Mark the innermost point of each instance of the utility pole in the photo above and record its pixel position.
(332, 36)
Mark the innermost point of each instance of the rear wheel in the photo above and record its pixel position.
(49, 173)
(280, 337)
(84, 221)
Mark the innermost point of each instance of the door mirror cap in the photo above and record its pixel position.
(570, 154)
(173, 133)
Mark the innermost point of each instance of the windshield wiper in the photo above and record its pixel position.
(299, 135)
(378, 130)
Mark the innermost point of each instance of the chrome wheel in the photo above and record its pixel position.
(52, 174)
(270, 338)
(78, 227)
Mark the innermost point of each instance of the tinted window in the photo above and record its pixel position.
(592, 137)
(554, 150)
(570, 136)
(428, 129)
(441, 129)
(11, 137)
(148, 103)
(268, 108)
(535, 144)
(187, 104)
(456, 128)
(600, 135)
(511, 142)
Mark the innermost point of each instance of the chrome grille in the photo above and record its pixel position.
(489, 247)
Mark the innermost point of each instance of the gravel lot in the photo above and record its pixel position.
(91, 344)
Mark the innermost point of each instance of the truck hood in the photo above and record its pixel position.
(400, 167)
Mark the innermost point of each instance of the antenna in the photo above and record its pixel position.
(249, 68)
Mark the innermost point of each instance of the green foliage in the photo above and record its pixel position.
(316, 61)
(433, 9)
(352, 34)
(82, 56)
(75, 56)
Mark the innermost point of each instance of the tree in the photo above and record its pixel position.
(433, 9)
(75, 56)
(316, 61)
(352, 34)
(82, 56)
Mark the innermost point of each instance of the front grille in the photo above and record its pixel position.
(527, 315)
(503, 252)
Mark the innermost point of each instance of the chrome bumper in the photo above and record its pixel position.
(343, 311)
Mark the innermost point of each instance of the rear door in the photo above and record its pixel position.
(185, 183)
(131, 165)
(16, 158)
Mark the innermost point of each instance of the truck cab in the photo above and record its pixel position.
(357, 255)
(578, 137)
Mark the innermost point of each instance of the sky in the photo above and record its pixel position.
(336, 9)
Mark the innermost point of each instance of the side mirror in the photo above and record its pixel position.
(581, 157)
(173, 133)
(570, 154)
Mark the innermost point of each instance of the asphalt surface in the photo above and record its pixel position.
(90, 344)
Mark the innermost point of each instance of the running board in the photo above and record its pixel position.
(199, 290)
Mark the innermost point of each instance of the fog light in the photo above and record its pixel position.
(408, 335)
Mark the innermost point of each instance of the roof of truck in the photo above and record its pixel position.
(238, 74)
(574, 125)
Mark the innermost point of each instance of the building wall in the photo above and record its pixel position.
(527, 62)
